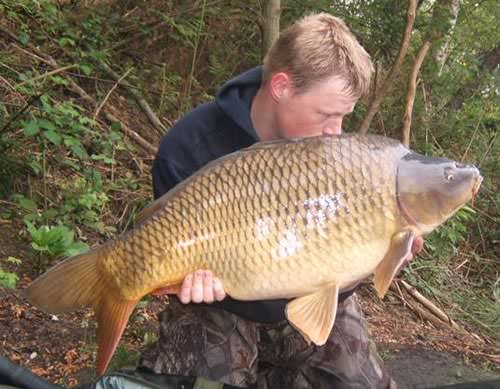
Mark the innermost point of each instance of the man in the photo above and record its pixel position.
(311, 79)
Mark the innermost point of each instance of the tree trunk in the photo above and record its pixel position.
(270, 24)
(442, 53)
(380, 94)
(441, 24)
(412, 87)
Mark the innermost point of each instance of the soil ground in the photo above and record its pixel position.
(62, 348)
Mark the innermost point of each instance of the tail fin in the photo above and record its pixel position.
(72, 284)
(76, 283)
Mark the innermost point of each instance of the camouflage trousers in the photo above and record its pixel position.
(208, 342)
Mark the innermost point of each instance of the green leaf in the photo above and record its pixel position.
(36, 166)
(88, 200)
(24, 38)
(79, 151)
(5, 213)
(116, 126)
(65, 41)
(50, 213)
(53, 136)
(71, 140)
(58, 80)
(26, 203)
(72, 164)
(46, 124)
(47, 105)
(31, 128)
(76, 248)
(7, 279)
(86, 68)
(38, 247)
(14, 260)
(32, 217)
(104, 158)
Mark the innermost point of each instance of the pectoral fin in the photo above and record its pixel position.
(399, 252)
(313, 315)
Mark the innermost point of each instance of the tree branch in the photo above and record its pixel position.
(405, 43)
(410, 94)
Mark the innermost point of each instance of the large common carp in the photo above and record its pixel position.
(298, 219)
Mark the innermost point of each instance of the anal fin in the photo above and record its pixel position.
(313, 315)
(399, 252)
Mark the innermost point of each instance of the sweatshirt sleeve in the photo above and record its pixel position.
(166, 174)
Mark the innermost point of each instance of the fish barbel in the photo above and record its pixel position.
(297, 219)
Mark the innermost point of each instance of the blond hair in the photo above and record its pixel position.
(316, 47)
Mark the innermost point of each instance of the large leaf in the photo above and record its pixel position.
(53, 136)
(31, 128)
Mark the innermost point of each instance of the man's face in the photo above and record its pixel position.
(318, 110)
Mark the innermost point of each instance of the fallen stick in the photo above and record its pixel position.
(47, 74)
(421, 313)
(429, 305)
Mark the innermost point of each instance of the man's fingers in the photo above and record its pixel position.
(185, 293)
(201, 286)
(197, 291)
(208, 290)
(418, 244)
(218, 289)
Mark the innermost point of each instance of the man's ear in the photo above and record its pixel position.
(280, 86)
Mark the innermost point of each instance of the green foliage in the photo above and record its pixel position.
(66, 126)
(84, 202)
(54, 241)
(446, 240)
(8, 279)
(124, 357)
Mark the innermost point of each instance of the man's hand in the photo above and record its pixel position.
(202, 287)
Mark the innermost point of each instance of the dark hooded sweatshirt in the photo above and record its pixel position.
(208, 132)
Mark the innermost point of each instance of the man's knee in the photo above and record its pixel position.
(204, 342)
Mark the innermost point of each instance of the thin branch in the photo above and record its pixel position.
(33, 55)
(134, 135)
(110, 92)
(490, 145)
(47, 74)
(154, 120)
(473, 136)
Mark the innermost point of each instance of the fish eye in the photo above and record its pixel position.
(448, 174)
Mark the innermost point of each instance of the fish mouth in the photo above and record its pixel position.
(475, 187)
